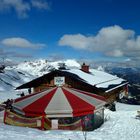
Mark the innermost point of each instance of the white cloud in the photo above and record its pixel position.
(6, 54)
(114, 53)
(40, 4)
(77, 41)
(22, 7)
(21, 43)
(111, 41)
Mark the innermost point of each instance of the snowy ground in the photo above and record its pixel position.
(120, 125)
(12, 94)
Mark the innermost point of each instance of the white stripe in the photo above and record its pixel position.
(91, 100)
(58, 104)
(19, 111)
(25, 102)
(59, 115)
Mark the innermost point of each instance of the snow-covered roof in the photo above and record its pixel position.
(97, 78)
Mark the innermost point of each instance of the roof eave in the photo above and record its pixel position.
(116, 87)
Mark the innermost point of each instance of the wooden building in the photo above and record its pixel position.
(93, 81)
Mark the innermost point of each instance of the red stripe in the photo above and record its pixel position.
(90, 94)
(37, 108)
(79, 106)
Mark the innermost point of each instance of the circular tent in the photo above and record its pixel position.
(57, 108)
(58, 102)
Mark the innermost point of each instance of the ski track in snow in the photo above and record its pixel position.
(120, 125)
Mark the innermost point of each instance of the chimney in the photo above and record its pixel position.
(85, 68)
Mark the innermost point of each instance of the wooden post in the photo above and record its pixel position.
(4, 116)
(42, 123)
(103, 115)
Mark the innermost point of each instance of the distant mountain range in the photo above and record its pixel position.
(132, 75)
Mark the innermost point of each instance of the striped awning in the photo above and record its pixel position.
(59, 102)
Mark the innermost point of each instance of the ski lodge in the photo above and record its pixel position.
(93, 81)
(66, 99)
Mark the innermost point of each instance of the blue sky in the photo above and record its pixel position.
(62, 29)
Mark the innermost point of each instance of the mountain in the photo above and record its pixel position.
(41, 66)
(13, 76)
(132, 75)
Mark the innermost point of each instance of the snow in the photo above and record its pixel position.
(98, 78)
(12, 78)
(119, 125)
(100, 68)
(24, 72)
(41, 66)
(4, 95)
(27, 71)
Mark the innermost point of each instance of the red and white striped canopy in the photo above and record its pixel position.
(59, 102)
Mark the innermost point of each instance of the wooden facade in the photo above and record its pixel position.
(113, 95)
(68, 83)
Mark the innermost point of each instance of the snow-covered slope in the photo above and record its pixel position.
(18, 74)
(10, 79)
(40, 67)
(120, 125)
